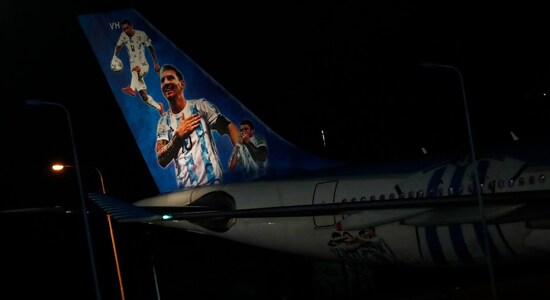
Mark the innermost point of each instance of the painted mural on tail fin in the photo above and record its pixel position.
(189, 129)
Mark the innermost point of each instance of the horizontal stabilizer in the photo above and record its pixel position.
(123, 211)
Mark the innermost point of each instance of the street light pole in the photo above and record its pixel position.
(59, 167)
(476, 173)
(82, 199)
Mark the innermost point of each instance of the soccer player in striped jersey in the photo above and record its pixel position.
(135, 42)
(250, 152)
(184, 133)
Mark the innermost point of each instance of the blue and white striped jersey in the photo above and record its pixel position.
(197, 162)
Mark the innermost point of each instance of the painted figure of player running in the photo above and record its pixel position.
(136, 41)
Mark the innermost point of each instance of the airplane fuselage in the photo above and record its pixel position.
(426, 234)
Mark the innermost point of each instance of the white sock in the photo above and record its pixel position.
(152, 102)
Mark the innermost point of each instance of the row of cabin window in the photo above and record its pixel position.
(451, 191)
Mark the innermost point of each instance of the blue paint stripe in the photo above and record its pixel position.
(435, 181)
(482, 168)
(434, 245)
(459, 244)
(481, 240)
(458, 175)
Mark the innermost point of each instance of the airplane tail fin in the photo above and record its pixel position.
(119, 50)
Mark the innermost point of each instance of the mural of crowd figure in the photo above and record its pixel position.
(366, 245)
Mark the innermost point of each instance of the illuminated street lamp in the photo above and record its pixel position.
(82, 199)
(59, 168)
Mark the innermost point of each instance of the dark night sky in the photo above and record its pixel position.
(352, 69)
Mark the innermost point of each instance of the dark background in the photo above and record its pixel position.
(352, 69)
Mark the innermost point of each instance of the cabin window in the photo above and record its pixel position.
(501, 184)
(392, 196)
(411, 194)
(451, 191)
(531, 179)
(511, 183)
(353, 199)
(492, 186)
(420, 194)
(372, 198)
(363, 199)
(542, 179)
(382, 197)
(521, 181)
(460, 190)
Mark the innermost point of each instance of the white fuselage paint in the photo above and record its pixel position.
(395, 240)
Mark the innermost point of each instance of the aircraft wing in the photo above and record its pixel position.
(498, 207)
